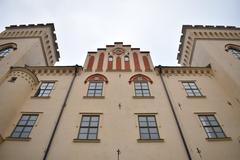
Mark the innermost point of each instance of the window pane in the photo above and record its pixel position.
(24, 134)
(154, 136)
(27, 129)
(214, 123)
(208, 129)
(33, 118)
(93, 130)
(85, 124)
(220, 135)
(22, 123)
(94, 119)
(30, 123)
(144, 136)
(142, 118)
(15, 134)
(94, 124)
(92, 136)
(83, 130)
(152, 124)
(205, 123)
(211, 135)
(18, 129)
(82, 136)
(25, 117)
(143, 130)
(217, 129)
(153, 130)
(143, 124)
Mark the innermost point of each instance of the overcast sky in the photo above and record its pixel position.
(151, 25)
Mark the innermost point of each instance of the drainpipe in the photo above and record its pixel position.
(174, 114)
(60, 114)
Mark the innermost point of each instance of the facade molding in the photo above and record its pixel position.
(96, 77)
(140, 77)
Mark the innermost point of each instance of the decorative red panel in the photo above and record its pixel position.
(96, 77)
(136, 62)
(127, 65)
(118, 64)
(90, 63)
(146, 63)
(100, 62)
(110, 63)
(140, 77)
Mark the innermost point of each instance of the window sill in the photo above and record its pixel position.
(46, 97)
(219, 139)
(196, 96)
(150, 140)
(86, 140)
(143, 97)
(17, 139)
(93, 97)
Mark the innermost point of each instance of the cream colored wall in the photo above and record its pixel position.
(225, 66)
(216, 100)
(12, 95)
(118, 126)
(48, 109)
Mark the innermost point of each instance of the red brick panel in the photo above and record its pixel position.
(146, 63)
(100, 62)
(110, 64)
(126, 64)
(136, 62)
(90, 63)
(118, 64)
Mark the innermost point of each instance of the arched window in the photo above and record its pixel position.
(141, 86)
(233, 50)
(110, 58)
(95, 87)
(5, 49)
(126, 58)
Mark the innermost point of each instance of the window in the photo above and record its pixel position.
(89, 127)
(45, 89)
(4, 52)
(126, 58)
(235, 52)
(191, 89)
(24, 126)
(110, 58)
(141, 88)
(211, 126)
(148, 127)
(95, 89)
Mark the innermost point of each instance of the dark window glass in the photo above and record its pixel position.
(45, 89)
(211, 126)
(141, 89)
(24, 126)
(95, 89)
(148, 127)
(4, 52)
(235, 52)
(89, 127)
(191, 89)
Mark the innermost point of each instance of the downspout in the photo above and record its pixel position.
(174, 114)
(60, 114)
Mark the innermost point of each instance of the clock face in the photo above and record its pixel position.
(118, 51)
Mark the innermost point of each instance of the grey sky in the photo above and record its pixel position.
(152, 25)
